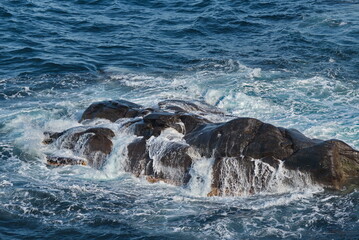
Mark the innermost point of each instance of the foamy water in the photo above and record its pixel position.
(291, 64)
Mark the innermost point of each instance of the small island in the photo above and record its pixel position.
(248, 156)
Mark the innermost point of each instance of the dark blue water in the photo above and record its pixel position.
(290, 63)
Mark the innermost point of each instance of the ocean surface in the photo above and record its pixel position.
(291, 63)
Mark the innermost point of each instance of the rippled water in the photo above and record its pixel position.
(290, 63)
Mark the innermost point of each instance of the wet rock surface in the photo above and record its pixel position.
(63, 161)
(173, 163)
(139, 162)
(189, 107)
(93, 144)
(111, 110)
(248, 153)
(331, 162)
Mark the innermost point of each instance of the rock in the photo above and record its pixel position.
(167, 161)
(62, 161)
(248, 137)
(298, 140)
(171, 162)
(332, 163)
(139, 163)
(226, 171)
(268, 141)
(94, 143)
(228, 139)
(50, 137)
(192, 121)
(154, 123)
(247, 151)
(113, 110)
(237, 176)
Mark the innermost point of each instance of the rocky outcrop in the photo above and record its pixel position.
(247, 151)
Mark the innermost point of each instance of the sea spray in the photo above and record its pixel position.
(240, 177)
(162, 147)
(117, 162)
(201, 172)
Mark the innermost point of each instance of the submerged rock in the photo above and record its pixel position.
(62, 161)
(189, 107)
(250, 156)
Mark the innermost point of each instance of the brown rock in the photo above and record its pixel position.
(62, 161)
(139, 162)
(154, 123)
(174, 164)
(112, 110)
(94, 144)
(332, 163)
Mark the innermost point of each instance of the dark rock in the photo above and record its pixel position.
(50, 137)
(249, 137)
(162, 120)
(139, 162)
(272, 161)
(299, 140)
(221, 176)
(268, 141)
(113, 110)
(247, 151)
(170, 162)
(62, 161)
(173, 163)
(332, 163)
(154, 123)
(192, 121)
(100, 140)
(94, 144)
(228, 139)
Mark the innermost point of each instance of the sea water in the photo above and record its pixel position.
(294, 64)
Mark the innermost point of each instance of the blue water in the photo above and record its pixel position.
(290, 63)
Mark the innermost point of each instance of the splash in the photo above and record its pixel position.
(239, 177)
(201, 172)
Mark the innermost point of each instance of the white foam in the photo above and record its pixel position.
(116, 162)
(238, 179)
(201, 173)
(157, 147)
